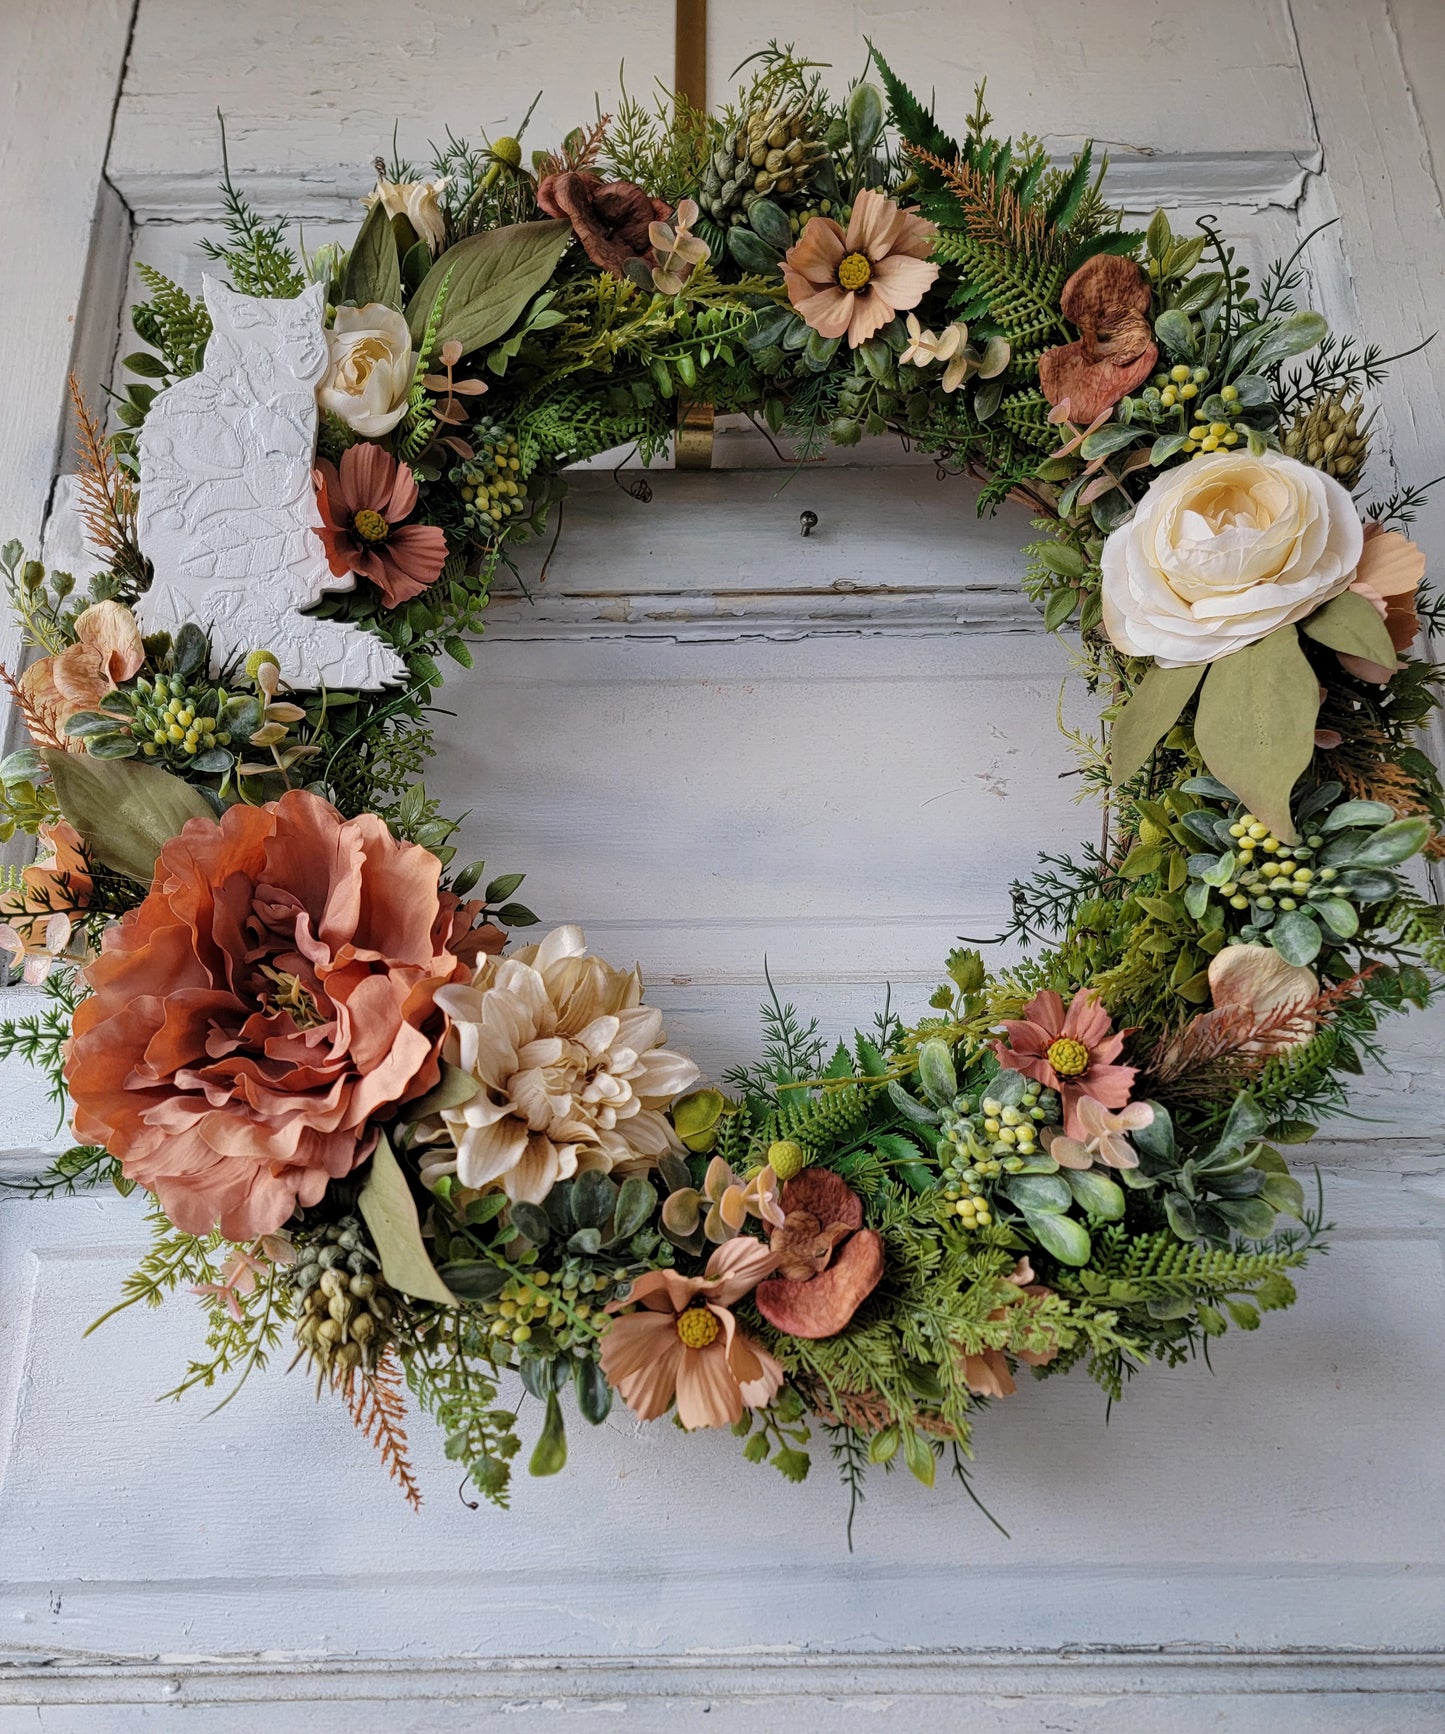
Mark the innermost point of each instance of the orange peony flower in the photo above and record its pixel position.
(1391, 567)
(1073, 1052)
(107, 650)
(856, 282)
(362, 505)
(685, 1343)
(271, 998)
(987, 1374)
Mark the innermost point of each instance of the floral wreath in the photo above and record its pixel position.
(437, 1158)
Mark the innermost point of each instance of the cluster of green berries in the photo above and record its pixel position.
(558, 1311)
(1178, 388)
(1271, 874)
(981, 1144)
(175, 721)
(491, 485)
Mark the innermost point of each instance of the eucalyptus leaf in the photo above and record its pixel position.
(125, 812)
(1340, 916)
(531, 1220)
(1107, 439)
(1061, 1236)
(1096, 1194)
(1351, 625)
(1355, 815)
(1367, 885)
(389, 1211)
(909, 1106)
(1038, 1192)
(1391, 844)
(1174, 331)
(1292, 336)
(489, 280)
(473, 1279)
(1151, 711)
(1251, 1217)
(1296, 937)
(1255, 724)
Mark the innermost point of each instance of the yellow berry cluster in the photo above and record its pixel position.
(1272, 874)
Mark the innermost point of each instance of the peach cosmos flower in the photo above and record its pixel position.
(107, 650)
(1072, 1052)
(987, 1374)
(362, 505)
(271, 997)
(856, 282)
(685, 1344)
(1388, 575)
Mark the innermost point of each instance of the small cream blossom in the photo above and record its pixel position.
(420, 203)
(369, 378)
(925, 349)
(570, 1067)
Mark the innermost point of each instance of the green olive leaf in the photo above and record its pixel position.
(1350, 624)
(489, 280)
(389, 1211)
(1255, 724)
(126, 811)
(1152, 710)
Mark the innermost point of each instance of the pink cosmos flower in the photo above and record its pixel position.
(1073, 1052)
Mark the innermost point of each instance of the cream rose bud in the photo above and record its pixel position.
(1222, 551)
(419, 203)
(370, 373)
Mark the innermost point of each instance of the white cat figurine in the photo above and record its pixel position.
(228, 514)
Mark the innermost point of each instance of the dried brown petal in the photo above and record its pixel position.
(1108, 300)
(823, 1305)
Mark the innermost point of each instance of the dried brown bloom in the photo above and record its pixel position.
(1107, 300)
(828, 1262)
(610, 218)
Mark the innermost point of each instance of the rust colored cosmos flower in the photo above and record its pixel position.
(1107, 300)
(1073, 1052)
(828, 1263)
(362, 506)
(855, 282)
(273, 994)
(610, 218)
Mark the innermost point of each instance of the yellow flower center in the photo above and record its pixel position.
(697, 1327)
(854, 271)
(1068, 1057)
(370, 526)
(292, 995)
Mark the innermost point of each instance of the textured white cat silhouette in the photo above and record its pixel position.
(228, 513)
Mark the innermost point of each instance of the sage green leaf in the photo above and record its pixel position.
(1044, 1193)
(1151, 711)
(1251, 1217)
(373, 271)
(918, 1455)
(752, 252)
(531, 1220)
(1350, 624)
(1390, 845)
(471, 1279)
(1174, 331)
(1062, 1237)
(490, 279)
(936, 1073)
(636, 1201)
(1292, 336)
(1255, 724)
(1096, 1193)
(1340, 917)
(1107, 439)
(1296, 937)
(1350, 814)
(452, 1089)
(594, 1394)
(126, 811)
(770, 221)
(389, 1211)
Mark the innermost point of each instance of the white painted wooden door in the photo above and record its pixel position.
(713, 741)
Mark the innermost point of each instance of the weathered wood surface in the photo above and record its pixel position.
(712, 741)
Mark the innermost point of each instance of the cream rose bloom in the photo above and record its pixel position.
(1222, 551)
(419, 203)
(371, 365)
(570, 1067)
